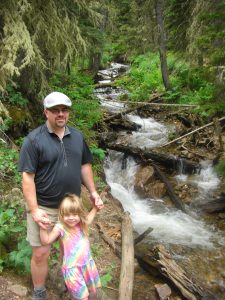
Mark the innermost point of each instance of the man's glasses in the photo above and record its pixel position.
(57, 111)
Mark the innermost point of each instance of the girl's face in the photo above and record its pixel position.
(71, 220)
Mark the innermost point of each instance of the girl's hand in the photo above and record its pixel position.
(41, 218)
(97, 201)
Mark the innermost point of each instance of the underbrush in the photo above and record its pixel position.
(189, 85)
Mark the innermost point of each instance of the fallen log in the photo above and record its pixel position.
(178, 203)
(128, 110)
(124, 124)
(193, 131)
(214, 206)
(169, 161)
(159, 261)
(127, 263)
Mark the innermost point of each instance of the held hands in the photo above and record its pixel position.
(96, 200)
(41, 218)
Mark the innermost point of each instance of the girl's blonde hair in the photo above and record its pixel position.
(72, 205)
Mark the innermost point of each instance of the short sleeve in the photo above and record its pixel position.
(28, 159)
(86, 156)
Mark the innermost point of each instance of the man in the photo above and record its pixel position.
(54, 160)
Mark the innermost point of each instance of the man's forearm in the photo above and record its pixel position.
(87, 177)
(29, 191)
(88, 181)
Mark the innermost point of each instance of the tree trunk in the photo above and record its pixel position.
(127, 264)
(95, 58)
(162, 43)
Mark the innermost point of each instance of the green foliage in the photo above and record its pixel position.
(1, 265)
(98, 152)
(96, 250)
(6, 124)
(20, 258)
(12, 236)
(13, 97)
(144, 77)
(9, 225)
(8, 163)
(220, 168)
(31, 51)
(106, 278)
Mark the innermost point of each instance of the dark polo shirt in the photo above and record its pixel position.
(56, 163)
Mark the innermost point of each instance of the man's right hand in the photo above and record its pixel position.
(41, 218)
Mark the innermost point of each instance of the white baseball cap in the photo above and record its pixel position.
(56, 98)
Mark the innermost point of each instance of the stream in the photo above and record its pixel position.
(194, 240)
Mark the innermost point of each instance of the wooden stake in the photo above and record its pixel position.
(127, 264)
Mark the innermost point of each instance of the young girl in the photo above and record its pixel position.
(79, 269)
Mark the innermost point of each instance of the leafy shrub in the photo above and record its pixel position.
(13, 97)
(8, 163)
(12, 236)
(144, 77)
(98, 152)
(20, 258)
(106, 278)
(220, 168)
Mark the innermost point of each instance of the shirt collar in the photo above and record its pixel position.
(67, 130)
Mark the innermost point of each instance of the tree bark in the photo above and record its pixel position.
(162, 43)
(172, 162)
(193, 131)
(214, 206)
(127, 264)
(178, 203)
(120, 114)
(159, 261)
(142, 236)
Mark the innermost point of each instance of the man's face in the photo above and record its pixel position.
(57, 116)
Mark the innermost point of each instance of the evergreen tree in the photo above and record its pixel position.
(39, 37)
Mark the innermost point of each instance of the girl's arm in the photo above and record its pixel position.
(91, 215)
(47, 237)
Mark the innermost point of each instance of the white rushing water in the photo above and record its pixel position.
(169, 226)
(151, 134)
(108, 97)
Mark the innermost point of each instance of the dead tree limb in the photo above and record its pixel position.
(169, 161)
(193, 131)
(142, 236)
(127, 263)
(178, 203)
(118, 115)
(161, 104)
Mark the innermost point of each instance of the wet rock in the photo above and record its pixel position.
(157, 191)
(143, 177)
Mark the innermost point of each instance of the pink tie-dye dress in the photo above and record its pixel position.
(79, 269)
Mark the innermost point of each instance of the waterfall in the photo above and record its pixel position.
(170, 226)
